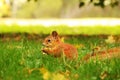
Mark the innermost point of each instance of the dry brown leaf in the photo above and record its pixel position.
(17, 38)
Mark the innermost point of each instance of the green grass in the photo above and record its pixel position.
(62, 29)
(17, 58)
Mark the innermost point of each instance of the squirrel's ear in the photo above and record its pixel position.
(54, 34)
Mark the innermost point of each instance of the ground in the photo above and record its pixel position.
(21, 58)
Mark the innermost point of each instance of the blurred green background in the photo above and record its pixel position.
(59, 8)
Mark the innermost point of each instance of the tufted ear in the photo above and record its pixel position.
(54, 34)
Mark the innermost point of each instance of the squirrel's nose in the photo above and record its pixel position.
(43, 44)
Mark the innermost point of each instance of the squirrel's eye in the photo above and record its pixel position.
(49, 40)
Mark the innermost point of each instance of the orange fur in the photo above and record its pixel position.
(105, 54)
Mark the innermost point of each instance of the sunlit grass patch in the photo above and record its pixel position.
(62, 29)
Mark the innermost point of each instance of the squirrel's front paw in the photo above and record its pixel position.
(45, 50)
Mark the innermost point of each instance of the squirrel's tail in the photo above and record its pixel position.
(101, 55)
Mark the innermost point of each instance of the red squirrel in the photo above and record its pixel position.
(53, 45)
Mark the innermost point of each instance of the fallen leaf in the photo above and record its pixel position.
(17, 38)
(76, 76)
(51, 76)
(62, 39)
(103, 75)
(57, 76)
(110, 39)
(67, 73)
(46, 73)
(79, 46)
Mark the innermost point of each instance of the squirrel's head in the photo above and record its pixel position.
(52, 40)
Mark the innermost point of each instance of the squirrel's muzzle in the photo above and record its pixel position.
(43, 44)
